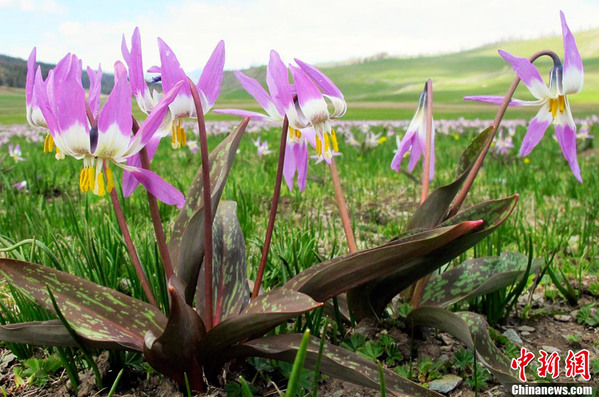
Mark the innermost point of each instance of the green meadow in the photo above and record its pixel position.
(55, 224)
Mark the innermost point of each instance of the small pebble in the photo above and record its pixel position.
(525, 328)
(446, 384)
(513, 337)
(563, 317)
(551, 349)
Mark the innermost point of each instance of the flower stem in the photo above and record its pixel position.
(120, 217)
(420, 284)
(155, 215)
(426, 169)
(496, 123)
(207, 198)
(273, 210)
(343, 211)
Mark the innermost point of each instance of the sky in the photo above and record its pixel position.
(316, 31)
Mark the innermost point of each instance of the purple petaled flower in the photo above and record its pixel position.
(261, 147)
(62, 102)
(503, 144)
(277, 79)
(182, 106)
(555, 107)
(415, 139)
(21, 186)
(15, 152)
(304, 105)
(350, 140)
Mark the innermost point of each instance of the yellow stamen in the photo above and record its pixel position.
(101, 189)
(327, 144)
(46, 144)
(298, 134)
(562, 103)
(109, 180)
(91, 179)
(82, 180)
(318, 145)
(291, 132)
(182, 137)
(334, 139)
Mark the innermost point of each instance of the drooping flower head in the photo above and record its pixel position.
(15, 152)
(208, 86)
(106, 140)
(415, 139)
(182, 106)
(555, 108)
(261, 147)
(305, 106)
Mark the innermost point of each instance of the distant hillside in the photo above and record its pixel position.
(478, 71)
(13, 72)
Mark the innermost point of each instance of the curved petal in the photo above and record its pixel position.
(565, 132)
(114, 123)
(30, 77)
(154, 120)
(289, 165)
(260, 95)
(402, 149)
(277, 79)
(154, 184)
(536, 129)
(245, 113)
(171, 71)
(95, 87)
(301, 163)
(212, 76)
(573, 72)
(41, 96)
(498, 100)
(310, 98)
(415, 153)
(129, 181)
(134, 62)
(310, 135)
(321, 80)
(529, 75)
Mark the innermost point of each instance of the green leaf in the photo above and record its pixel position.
(374, 297)
(186, 245)
(472, 330)
(98, 314)
(476, 277)
(260, 316)
(229, 271)
(329, 279)
(176, 351)
(335, 361)
(435, 207)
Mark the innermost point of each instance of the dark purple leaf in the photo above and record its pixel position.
(230, 285)
(336, 362)
(98, 314)
(472, 330)
(186, 245)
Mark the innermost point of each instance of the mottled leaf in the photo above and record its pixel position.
(260, 316)
(435, 207)
(476, 277)
(336, 362)
(41, 333)
(472, 330)
(186, 245)
(371, 299)
(329, 279)
(229, 270)
(96, 313)
(176, 351)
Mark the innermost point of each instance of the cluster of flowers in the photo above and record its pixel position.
(101, 138)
